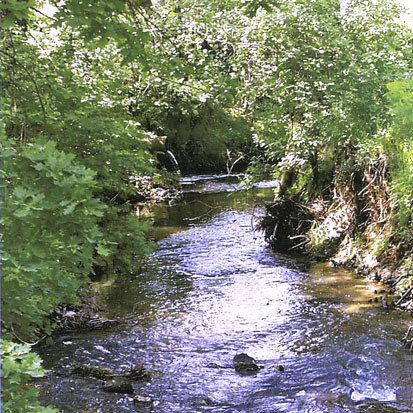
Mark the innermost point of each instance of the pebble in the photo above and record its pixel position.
(142, 400)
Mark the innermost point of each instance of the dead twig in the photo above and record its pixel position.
(405, 340)
(25, 342)
(406, 293)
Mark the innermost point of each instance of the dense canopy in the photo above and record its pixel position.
(313, 93)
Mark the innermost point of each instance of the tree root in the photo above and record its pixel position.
(286, 224)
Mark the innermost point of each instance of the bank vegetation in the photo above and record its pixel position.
(95, 94)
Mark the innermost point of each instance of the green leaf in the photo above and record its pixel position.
(69, 209)
(104, 251)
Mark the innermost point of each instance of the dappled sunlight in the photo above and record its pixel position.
(351, 293)
(113, 256)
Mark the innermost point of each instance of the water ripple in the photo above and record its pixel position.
(216, 291)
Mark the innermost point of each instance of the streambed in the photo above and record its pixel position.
(216, 290)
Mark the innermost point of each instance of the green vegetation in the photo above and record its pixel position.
(331, 115)
(401, 154)
(400, 149)
(304, 91)
(19, 365)
(50, 231)
(71, 152)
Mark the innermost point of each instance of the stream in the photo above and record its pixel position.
(214, 289)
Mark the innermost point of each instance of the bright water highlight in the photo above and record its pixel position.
(218, 290)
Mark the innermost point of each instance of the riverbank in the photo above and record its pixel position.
(349, 232)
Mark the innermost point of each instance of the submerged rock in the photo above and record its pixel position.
(244, 364)
(118, 385)
(137, 372)
(101, 373)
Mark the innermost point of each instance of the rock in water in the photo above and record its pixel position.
(135, 373)
(142, 401)
(244, 364)
(101, 373)
(118, 385)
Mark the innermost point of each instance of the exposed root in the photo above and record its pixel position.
(354, 228)
(329, 229)
(286, 224)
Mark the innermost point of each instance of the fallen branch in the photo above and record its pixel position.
(25, 342)
(405, 340)
(406, 293)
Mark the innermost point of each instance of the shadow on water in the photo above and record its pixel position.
(217, 290)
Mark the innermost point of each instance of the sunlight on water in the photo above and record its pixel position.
(365, 391)
(218, 290)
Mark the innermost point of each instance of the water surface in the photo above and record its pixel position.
(216, 290)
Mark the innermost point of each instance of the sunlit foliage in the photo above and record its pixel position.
(88, 87)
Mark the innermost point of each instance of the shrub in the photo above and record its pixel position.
(50, 233)
(18, 367)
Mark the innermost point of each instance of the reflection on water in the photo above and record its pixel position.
(217, 290)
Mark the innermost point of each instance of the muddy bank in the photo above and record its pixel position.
(342, 232)
(353, 222)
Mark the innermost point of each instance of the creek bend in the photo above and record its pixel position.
(216, 290)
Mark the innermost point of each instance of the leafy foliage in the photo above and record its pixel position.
(67, 93)
(50, 231)
(18, 367)
(190, 91)
(70, 150)
(319, 80)
(401, 145)
(296, 86)
(14, 12)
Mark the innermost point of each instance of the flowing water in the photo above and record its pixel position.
(217, 290)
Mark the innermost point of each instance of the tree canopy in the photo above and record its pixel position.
(305, 91)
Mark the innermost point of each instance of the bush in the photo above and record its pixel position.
(401, 149)
(18, 367)
(50, 233)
